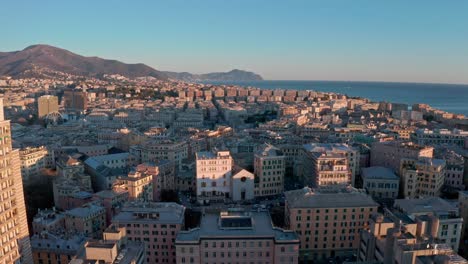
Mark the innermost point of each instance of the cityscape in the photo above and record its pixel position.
(105, 162)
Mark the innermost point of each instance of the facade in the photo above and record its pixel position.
(422, 177)
(324, 166)
(394, 238)
(47, 104)
(463, 205)
(441, 136)
(328, 220)
(75, 100)
(269, 170)
(243, 185)
(138, 184)
(389, 154)
(154, 151)
(446, 217)
(380, 182)
(33, 160)
(340, 163)
(214, 173)
(154, 224)
(56, 248)
(237, 237)
(14, 235)
(89, 220)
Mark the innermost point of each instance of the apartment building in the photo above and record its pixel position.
(33, 161)
(329, 163)
(269, 170)
(422, 177)
(154, 224)
(389, 153)
(14, 233)
(447, 220)
(441, 136)
(395, 238)
(47, 104)
(90, 220)
(214, 176)
(237, 236)
(328, 220)
(381, 183)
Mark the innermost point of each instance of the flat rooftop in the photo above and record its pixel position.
(378, 173)
(434, 205)
(248, 225)
(329, 197)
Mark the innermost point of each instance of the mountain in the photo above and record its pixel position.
(49, 61)
(234, 75)
(45, 60)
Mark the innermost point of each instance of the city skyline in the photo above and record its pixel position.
(338, 40)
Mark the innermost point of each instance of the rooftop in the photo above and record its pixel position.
(236, 225)
(378, 173)
(329, 197)
(435, 205)
(170, 213)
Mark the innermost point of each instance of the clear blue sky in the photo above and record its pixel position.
(398, 40)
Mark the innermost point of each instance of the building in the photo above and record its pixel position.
(441, 136)
(154, 224)
(381, 183)
(56, 247)
(113, 248)
(154, 151)
(389, 154)
(213, 174)
(422, 177)
(463, 205)
(244, 237)
(47, 104)
(33, 161)
(90, 220)
(75, 100)
(112, 201)
(447, 221)
(14, 235)
(138, 184)
(269, 170)
(243, 185)
(328, 220)
(325, 165)
(396, 238)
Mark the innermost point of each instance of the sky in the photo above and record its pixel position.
(367, 40)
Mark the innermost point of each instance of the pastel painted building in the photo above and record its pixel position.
(423, 177)
(237, 236)
(269, 170)
(380, 182)
(154, 224)
(328, 220)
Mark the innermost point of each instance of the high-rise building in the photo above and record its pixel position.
(75, 100)
(47, 104)
(14, 233)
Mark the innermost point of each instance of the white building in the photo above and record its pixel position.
(214, 173)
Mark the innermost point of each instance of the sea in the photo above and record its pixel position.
(452, 98)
